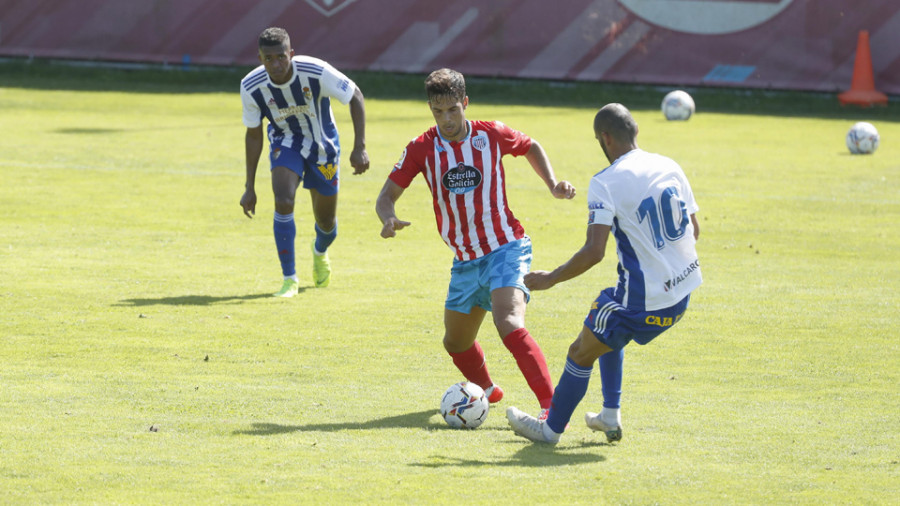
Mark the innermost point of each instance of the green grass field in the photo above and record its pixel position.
(134, 294)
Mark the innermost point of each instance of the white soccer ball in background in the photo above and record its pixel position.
(677, 105)
(464, 405)
(862, 139)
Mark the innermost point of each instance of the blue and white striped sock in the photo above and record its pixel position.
(569, 391)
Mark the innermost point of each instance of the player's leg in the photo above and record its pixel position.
(460, 333)
(467, 303)
(573, 382)
(325, 214)
(509, 295)
(569, 391)
(508, 309)
(284, 187)
(611, 386)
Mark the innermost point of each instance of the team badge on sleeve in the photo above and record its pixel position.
(593, 207)
(400, 163)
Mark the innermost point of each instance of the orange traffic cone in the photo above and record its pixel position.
(862, 89)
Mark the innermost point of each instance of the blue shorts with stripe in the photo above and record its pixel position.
(323, 178)
(472, 281)
(615, 325)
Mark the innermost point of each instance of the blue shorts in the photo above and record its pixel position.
(472, 281)
(322, 178)
(615, 325)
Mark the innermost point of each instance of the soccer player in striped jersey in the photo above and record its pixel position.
(294, 94)
(647, 204)
(460, 161)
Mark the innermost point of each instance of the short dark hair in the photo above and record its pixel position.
(274, 36)
(617, 121)
(446, 82)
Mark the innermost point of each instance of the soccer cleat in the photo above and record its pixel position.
(530, 427)
(594, 421)
(494, 393)
(288, 289)
(321, 268)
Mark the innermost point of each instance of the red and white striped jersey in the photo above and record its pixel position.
(468, 184)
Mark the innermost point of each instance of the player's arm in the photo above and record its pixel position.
(540, 162)
(359, 158)
(696, 226)
(384, 207)
(588, 256)
(253, 146)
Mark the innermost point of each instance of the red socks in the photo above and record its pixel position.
(529, 358)
(471, 364)
(532, 363)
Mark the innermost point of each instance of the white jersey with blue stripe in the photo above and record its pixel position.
(299, 111)
(647, 200)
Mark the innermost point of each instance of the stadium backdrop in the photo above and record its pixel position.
(781, 44)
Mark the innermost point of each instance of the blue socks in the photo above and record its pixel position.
(611, 377)
(569, 391)
(285, 232)
(324, 239)
(573, 385)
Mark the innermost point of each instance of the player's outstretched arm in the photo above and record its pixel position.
(384, 207)
(540, 162)
(359, 158)
(588, 256)
(253, 146)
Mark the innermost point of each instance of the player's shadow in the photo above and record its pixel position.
(107, 130)
(418, 420)
(531, 455)
(194, 300)
(88, 130)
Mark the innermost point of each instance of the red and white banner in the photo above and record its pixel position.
(784, 44)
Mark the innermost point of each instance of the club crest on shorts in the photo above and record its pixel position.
(461, 179)
(328, 170)
(480, 142)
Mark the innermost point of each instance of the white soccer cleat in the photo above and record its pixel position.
(530, 427)
(613, 433)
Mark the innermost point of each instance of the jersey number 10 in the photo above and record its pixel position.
(668, 218)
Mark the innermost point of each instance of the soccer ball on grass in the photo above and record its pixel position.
(862, 139)
(464, 405)
(677, 106)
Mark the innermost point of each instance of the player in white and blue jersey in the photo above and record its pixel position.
(294, 94)
(647, 204)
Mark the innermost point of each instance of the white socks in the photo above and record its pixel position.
(611, 416)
